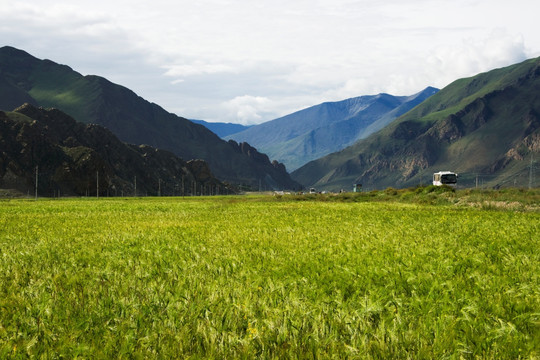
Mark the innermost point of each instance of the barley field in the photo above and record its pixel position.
(265, 277)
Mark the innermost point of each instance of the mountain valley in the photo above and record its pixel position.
(486, 126)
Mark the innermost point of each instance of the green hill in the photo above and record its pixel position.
(485, 127)
(93, 99)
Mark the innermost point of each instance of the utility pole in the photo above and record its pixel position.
(36, 180)
(97, 184)
(135, 185)
(159, 187)
(531, 173)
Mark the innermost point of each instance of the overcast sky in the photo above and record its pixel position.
(249, 61)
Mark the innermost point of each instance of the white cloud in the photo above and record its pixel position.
(200, 58)
(472, 56)
(247, 109)
(196, 68)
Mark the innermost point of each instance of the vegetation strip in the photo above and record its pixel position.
(270, 277)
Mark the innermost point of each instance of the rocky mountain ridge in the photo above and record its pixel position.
(76, 159)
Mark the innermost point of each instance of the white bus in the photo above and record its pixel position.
(445, 178)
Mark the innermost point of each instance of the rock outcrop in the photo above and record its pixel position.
(73, 158)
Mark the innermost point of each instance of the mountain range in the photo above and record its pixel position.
(71, 158)
(486, 126)
(94, 99)
(221, 129)
(311, 133)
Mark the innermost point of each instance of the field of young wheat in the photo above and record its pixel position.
(247, 277)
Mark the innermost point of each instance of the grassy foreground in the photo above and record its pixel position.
(233, 277)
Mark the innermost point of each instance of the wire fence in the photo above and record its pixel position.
(523, 178)
(43, 184)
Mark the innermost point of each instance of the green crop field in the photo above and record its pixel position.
(268, 277)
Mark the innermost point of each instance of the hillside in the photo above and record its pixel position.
(93, 99)
(222, 129)
(319, 130)
(76, 159)
(486, 127)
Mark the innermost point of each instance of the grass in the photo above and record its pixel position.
(246, 277)
(517, 199)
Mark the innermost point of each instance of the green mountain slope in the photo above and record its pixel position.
(486, 126)
(93, 99)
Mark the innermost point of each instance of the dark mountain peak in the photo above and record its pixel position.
(93, 99)
(14, 61)
(14, 53)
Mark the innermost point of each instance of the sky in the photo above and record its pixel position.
(250, 61)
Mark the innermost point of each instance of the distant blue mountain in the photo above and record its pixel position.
(222, 129)
(319, 130)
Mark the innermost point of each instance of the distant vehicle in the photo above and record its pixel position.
(445, 178)
(312, 191)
